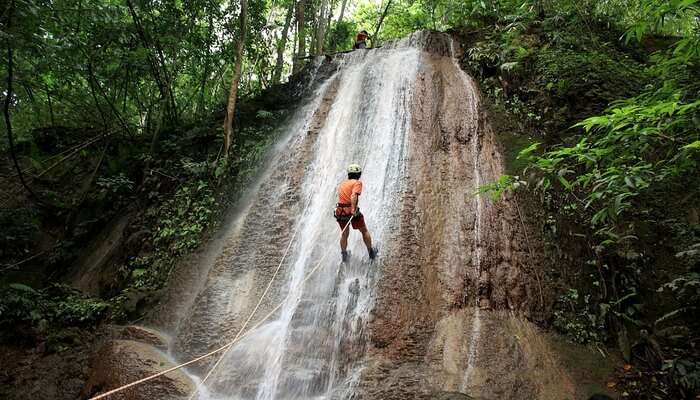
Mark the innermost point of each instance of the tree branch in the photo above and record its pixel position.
(8, 101)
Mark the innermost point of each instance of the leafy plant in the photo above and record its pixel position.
(640, 143)
(615, 169)
(57, 305)
(115, 185)
(19, 230)
(684, 373)
(496, 189)
(182, 219)
(575, 317)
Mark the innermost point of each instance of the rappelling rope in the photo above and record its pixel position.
(262, 297)
(236, 339)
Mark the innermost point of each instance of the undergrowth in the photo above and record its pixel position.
(613, 160)
(173, 199)
(29, 315)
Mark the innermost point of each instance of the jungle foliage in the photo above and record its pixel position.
(117, 109)
(609, 97)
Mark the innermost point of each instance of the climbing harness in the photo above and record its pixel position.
(236, 339)
(339, 213)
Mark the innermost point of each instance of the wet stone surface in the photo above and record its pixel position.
(440, 314)
(123, 361)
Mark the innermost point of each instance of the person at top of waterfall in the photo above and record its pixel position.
(347, 211)
(361, 40)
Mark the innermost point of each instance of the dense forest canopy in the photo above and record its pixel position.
(139, 65)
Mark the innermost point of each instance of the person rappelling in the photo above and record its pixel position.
(347, 210)
(361, 40)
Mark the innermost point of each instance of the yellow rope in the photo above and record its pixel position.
(236, 339)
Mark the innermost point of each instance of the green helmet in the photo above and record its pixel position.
(354, 169)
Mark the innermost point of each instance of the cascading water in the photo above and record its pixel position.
(408, 325)
(314, 345)
(476, 245)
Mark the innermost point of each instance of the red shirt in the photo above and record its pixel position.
(347, 189)
(361, 37)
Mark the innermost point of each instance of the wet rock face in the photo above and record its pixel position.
(447, 317)
(451, 282)
(95, 270)
(33, 374)
(123, 361)
(451, 396)
(144, 335)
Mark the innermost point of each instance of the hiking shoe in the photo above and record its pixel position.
(373, 253)
(345, 256)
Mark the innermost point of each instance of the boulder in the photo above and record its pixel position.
(120, 362)
(143, 335)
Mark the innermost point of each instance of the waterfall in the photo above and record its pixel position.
(406, 325)
(478, 201)
(314, 345)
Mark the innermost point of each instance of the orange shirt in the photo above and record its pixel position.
(347, 189)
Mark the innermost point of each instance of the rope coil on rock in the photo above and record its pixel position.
(236, 339)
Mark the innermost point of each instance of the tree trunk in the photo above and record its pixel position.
(379, 24)
(294, 47)
(94, 83)
(156, 63)
(155, 138)
(206, 72)
(91, 84)
(262, 72)
(539, 6)
(329, 18)
(321, 27)
(125, 95)
(48, 98)
(342, 12)
(30, 95)
(312, 28)
(8, 100)
(233, 94)
(279, 64)
(301, 39)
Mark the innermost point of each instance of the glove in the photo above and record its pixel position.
(357, 213)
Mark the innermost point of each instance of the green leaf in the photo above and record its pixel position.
(509, 66)
(693, 146)
(526, 153)
(564, 182)
(21, 287)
